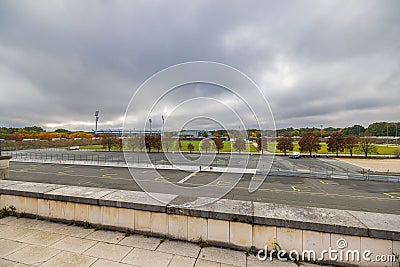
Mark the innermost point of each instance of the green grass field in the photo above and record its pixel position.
(227, 147)
(380, 149)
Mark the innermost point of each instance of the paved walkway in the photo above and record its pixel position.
(30, 242)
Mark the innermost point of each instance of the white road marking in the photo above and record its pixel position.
(188, 177)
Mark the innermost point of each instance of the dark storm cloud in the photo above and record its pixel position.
(317, 62)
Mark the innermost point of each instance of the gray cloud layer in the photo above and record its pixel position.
(317, 62)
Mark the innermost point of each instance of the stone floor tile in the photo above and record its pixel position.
(179, 248)
(77, 231)
(9, 246)
(74, 244)
(206, 263)
(4, 227)
(48, 226)
(222, 255)
(108, 251)
(140, 241)
(7, 219)
(7, 263)
(16, 233)
(23, 222)
(144, 258)
(103, 263)
(253, 261)
(67, 259)
(181, 261)
(32, 254)
(42, 238)
(106, 236)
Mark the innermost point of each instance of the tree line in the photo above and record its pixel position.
(337, 142)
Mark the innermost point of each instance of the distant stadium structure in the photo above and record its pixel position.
(125, 132)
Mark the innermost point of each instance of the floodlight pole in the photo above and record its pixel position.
(150, 127)
(163, 120)
(96, 114)
(0, 146)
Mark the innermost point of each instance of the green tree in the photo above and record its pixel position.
(356, 130)
(61, 130)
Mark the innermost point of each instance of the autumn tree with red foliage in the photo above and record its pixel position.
(219, 144)
(351, 142)
(285, 143)
(336, 143)
(309, 142)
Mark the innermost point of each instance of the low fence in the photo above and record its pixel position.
(118, 160)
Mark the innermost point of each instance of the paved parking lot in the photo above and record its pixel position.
(381, 197)
(221, 160)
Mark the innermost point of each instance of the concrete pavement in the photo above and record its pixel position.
(30, 242)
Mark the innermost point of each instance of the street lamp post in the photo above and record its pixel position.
(387, 135)
(321, 132)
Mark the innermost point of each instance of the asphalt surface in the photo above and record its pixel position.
(381, 197)
(254, 161)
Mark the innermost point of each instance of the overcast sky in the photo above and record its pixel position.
(334, 63)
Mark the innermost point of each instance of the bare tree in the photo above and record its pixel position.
(366, 146)
(166, 142)
(336, 143)
(178, 144)
(205, 144)
(351, 142)
(309, 142)
(285, 143)
(129, 142)
(140, 142)
(239, 145)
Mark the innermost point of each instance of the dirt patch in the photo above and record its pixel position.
(381, 165)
